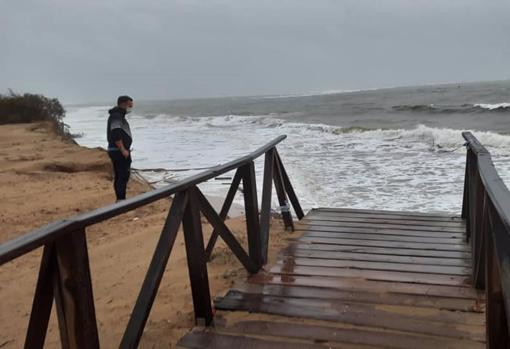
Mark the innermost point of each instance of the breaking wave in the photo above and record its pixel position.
(403, 168)
(461, 109)
(493, 106)
(436, 139)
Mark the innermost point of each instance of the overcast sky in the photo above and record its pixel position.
(82, 51)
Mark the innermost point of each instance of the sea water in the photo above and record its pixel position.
(393, 149)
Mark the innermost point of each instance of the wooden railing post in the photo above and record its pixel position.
(465, 197)
(282, 197)
(289, 189)
(482, 234)
(496, 319)
(265, 209)
(43, 300)
(252, 213)
(472, 170)
(73, 292)
(197, 263)
(475, 221)
(472, 197)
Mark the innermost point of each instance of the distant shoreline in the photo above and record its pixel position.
(295, 94)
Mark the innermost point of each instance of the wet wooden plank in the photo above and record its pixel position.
(350, 284)
(386, 244)
(436, 323)
(313, 222)
(382, 237)
(378, 250)
(353, 256)
(361, 230)
(388, 212)
(201, 338)
(295, 291)
(384, 220)
(290, 262)
(326, 334)
(365, 215)
(383, 275)
(383, 278)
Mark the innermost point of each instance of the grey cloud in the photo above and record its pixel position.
(95, 50)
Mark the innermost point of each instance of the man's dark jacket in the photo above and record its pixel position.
(118, 129)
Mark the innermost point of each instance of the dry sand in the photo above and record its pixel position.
(43, 178)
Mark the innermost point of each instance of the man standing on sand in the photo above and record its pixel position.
(119, 138)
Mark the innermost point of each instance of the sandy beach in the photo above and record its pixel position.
(42, 179)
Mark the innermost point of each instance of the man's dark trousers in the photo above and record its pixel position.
(121, 170)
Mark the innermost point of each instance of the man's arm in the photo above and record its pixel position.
(122, 149)
(117, 137)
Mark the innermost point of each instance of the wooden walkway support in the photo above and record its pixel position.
(357, 277)
(64, 274)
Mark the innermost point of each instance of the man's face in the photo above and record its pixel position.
(126, 105)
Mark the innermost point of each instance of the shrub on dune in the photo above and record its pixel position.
(24, 108)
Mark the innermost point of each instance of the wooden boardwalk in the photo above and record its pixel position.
(360, 279)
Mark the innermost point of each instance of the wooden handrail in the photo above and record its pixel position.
(486, 208)
(64, 273)
(36, 238)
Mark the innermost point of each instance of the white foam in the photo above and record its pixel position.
(418, 169)
(317, 93)
(493, 106)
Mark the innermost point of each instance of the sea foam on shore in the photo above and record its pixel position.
(398, 169)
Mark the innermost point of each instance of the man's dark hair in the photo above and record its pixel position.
(124, 99)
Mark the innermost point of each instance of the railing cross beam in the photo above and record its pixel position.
(152, 280)
(225, 233)
(64, 274)
(224, 211)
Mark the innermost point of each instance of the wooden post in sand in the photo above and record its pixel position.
(64, 275)
(252, 213)
(73, 292)
(197, 263)
(43, 300)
